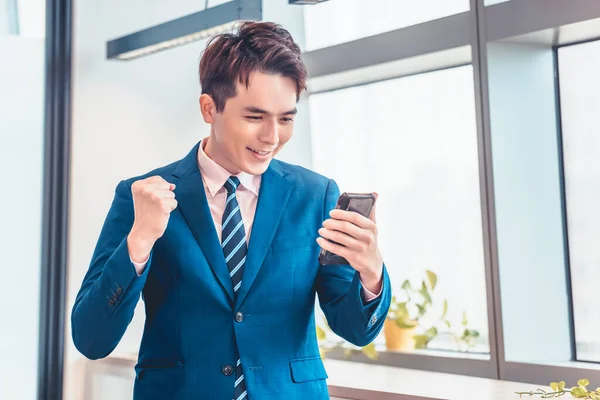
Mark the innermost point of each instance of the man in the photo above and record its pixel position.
(223, 247)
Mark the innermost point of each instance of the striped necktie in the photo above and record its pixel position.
(233, 243)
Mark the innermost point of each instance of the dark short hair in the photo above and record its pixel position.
(254, 47)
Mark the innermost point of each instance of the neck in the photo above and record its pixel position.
(217, 155)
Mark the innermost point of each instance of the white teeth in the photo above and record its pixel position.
(262, 153)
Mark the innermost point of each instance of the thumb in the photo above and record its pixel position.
(372, 217)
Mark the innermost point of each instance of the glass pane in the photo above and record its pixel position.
(338, 21)
(21, 149)
(32, 17)
(414, 141)
(580, 102)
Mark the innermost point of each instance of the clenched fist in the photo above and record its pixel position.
(153, 202)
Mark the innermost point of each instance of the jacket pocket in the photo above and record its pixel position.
(307, 369)
(160, 367)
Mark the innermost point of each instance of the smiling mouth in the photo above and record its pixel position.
(262, 153)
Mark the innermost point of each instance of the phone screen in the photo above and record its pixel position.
(362, 206)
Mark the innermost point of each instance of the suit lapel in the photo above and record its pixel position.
(275, 190)
(191, 198)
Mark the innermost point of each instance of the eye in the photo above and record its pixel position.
(287, 120)
(253, 118)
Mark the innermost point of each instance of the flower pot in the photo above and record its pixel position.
(398, 339)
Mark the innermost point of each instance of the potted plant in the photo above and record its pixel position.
(407, 308)
(405, 328)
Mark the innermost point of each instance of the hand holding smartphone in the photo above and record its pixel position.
(361, 203)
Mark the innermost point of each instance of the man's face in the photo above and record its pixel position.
(254, 125)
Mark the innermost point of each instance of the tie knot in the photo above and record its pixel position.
(231, 184)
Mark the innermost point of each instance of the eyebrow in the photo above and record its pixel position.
(256, 110)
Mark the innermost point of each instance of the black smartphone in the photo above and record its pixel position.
(361, 203)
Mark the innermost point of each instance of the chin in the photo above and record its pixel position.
(256, 168)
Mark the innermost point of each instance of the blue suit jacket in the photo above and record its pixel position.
(192, 320)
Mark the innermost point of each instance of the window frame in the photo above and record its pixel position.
(441, 44)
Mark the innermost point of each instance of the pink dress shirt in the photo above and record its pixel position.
(214, 177)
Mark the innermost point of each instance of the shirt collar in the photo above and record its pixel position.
(214, 175)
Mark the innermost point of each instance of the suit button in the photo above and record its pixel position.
(239, 317)
(227, 370)
(119, 290)
(115, 297)
(111, 302)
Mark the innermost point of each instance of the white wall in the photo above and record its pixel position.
(21, 132)
(130, 117)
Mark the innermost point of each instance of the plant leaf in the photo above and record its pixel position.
(579, 392)
(425, 293)
(465, 321)
(431, 332)
(370, 351)
(583, 382)
(321, 335)
(421, 341)
(402, 308)
(445, 310)
(406, 285)
(405, 324)
(472, 333)
(432, 277)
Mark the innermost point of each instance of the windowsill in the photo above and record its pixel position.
(359, 381)
(377, 382)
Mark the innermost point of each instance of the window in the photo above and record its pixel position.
(21, 149)
(580, 102)
(32, 17)
(338, 21)
(414, 140)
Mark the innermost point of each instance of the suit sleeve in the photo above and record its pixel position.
(111, 287)
(341, 298)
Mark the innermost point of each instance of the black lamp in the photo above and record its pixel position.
(307, 1)
(197, 26)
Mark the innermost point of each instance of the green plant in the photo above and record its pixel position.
(558, 389)
(416, 304)
(326, 344)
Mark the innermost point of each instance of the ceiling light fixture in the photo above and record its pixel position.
(200, 25)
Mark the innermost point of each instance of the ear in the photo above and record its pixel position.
(208, 108)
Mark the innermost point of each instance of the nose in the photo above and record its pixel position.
(270, 133)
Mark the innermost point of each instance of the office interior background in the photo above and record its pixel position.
(476, 121)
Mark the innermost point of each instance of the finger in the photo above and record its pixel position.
(164, 185)
(165, 194)
(334, 248)
(172, 186)
(353, 217)
(155, 179)
(171, 204)
(345, 227)
(340, 238)
(372, 216)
